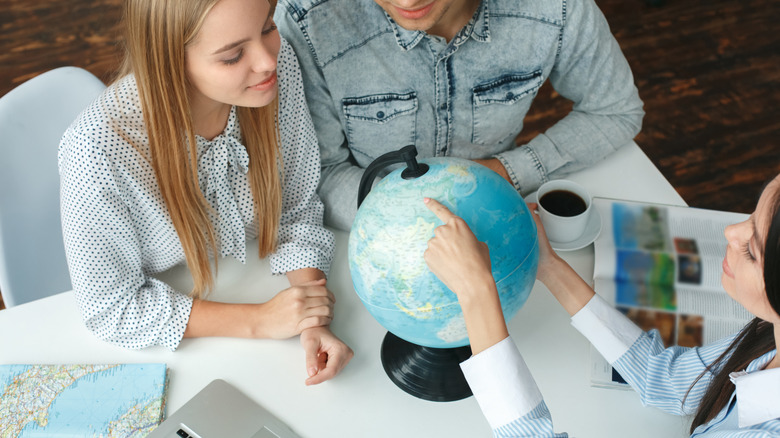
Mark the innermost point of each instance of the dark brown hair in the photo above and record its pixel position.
(755, 340)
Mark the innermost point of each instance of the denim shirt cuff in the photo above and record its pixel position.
(524, 167)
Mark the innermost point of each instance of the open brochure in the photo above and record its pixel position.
(661, 266)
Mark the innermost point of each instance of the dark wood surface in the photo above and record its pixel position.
(709, 74)
(707, 70)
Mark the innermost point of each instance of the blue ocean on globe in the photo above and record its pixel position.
(391, 232)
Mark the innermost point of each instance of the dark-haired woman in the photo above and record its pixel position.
(732, 387)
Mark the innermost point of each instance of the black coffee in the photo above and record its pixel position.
(563, 203)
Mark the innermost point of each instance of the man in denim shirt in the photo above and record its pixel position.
(456, 78)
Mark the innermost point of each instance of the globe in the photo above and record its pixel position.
(391, 232)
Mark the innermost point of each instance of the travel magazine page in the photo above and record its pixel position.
(661, 266)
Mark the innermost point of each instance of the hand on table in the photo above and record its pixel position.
(326, 355)
(296, 309)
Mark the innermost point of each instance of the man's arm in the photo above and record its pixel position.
(591, 71)
(340, 177)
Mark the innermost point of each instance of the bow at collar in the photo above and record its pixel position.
(220, 167)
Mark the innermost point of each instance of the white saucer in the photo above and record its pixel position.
(591, 233)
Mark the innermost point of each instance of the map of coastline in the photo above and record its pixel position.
(81, 400)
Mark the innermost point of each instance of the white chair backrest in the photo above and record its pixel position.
(33, 117)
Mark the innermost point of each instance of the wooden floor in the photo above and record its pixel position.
(709, 74)
(707, 70)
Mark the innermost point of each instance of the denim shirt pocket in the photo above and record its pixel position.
(380, 123)
(502, 102)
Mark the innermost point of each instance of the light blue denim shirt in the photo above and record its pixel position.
(373, 87)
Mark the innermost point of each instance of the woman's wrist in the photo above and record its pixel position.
(476, 287)
(571, 291)
(549, 269)
(304, 275)
(483, 315)
(257, 321)
(208, 318)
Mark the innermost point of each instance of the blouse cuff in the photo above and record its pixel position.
(288, 261)
(611, 332)
(501, 383)
(174, 333)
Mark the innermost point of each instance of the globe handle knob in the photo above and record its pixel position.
(406, 155)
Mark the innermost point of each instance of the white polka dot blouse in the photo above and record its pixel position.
(118, 232)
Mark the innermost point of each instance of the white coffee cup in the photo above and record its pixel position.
(563, 216)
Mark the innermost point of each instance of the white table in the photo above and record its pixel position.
(362, 401)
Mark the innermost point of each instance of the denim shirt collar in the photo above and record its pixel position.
(477, 28)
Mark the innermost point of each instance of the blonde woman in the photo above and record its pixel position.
(203, 142)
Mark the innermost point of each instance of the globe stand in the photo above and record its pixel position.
(428, 373)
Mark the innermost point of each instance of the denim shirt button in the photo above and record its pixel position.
(510, 95)
(380, 114)
(443, 106)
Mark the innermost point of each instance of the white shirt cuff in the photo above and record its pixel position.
(501, 383)
(611, 332)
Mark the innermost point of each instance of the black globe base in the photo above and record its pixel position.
(431, 374)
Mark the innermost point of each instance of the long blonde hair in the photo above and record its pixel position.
(156, 35)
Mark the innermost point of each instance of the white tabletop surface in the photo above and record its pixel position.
(362, 401)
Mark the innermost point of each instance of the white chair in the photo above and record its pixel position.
(33, 117)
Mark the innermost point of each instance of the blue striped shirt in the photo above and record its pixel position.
(661, 376)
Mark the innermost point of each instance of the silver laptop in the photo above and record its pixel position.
(221, 410)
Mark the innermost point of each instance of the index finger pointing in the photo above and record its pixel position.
(438, 209)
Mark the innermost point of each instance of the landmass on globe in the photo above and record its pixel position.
(390, 234)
